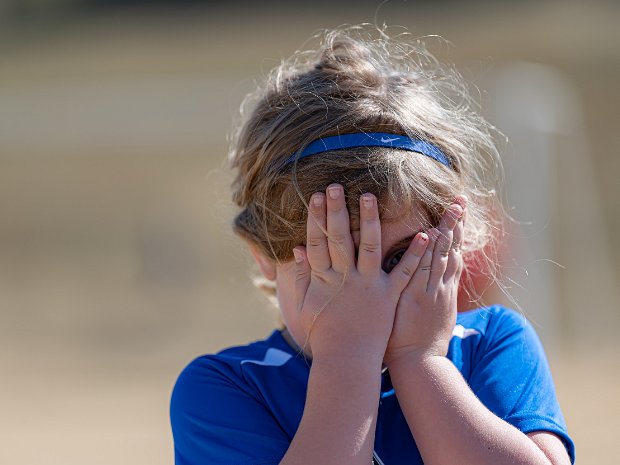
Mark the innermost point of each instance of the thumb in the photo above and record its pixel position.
(302, 275)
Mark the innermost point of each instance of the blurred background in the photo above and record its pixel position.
(117, 265)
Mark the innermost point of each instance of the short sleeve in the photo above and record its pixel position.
(215, 420)
(511, 376)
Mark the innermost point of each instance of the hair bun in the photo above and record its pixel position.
(345, 60)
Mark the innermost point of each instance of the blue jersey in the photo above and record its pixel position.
(243, 405)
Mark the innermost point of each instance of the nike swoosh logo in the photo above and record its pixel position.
(385, 140)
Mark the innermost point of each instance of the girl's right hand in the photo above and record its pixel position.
(347, 307)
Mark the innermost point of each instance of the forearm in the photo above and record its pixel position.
(340, 414)
(448, 421)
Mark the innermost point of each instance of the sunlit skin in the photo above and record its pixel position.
(389, 242)
(355, 306)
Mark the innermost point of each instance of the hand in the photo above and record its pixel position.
(347, 307)
(426, 312)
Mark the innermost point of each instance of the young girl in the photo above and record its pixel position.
(365, 183)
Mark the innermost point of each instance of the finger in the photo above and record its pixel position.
(455, 256)
(302, 275)
(369, 252)
(401, 274)
(455, 284)
(317, 251)
(462, 201)
(339, 240)
(419, 282)
(443, 245)
(459, 271)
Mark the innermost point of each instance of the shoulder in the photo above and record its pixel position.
(228, 367)
(489, 317)
(219, 410)
(508, 368)
(492, 323)
(493, 335)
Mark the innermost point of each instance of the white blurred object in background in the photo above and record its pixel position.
(562, 249)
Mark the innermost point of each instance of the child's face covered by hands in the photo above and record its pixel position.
(382, 292)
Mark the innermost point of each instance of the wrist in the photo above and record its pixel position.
(349, 352)
(417, 372)
(344, 374)
(409, 355)
(346, 362)
(413, 359)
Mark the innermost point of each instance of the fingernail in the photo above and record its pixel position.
(317, 200)
(334, 192)
(367, 201)
(299, 257)
(422, 238)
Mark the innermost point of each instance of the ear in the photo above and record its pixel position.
(267, 266)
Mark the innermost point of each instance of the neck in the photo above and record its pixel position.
(291, 342)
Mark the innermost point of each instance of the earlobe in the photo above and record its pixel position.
(265, 264)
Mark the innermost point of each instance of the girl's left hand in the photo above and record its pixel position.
(426, 311)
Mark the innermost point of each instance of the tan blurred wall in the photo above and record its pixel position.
(117, 266)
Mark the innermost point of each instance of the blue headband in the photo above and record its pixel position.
(373, 139)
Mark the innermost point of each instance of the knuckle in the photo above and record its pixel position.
(407, 271)
(369, 247)
(337, 238)
(315, 242)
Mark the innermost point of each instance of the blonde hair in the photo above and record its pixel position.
(361, 80)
